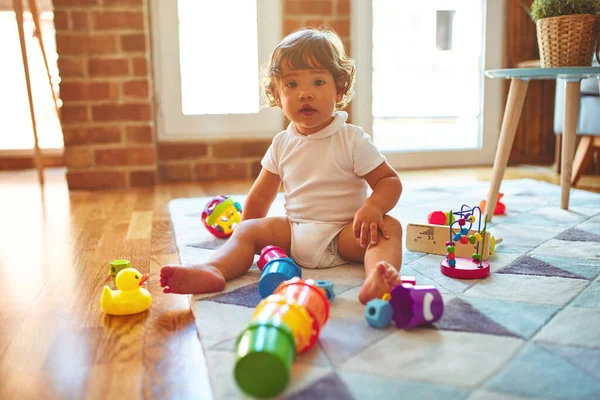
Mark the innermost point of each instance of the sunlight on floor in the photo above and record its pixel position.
(35, 222)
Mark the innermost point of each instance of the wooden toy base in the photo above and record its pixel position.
(427, 238)
(465, 268)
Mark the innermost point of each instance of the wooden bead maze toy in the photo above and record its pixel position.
(461, 267)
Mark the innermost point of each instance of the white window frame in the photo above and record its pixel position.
(492, 99)
(172, 124)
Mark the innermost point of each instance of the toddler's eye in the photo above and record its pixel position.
(291, 85)
(319, 82)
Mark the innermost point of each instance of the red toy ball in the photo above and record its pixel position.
(436, 218)
(221, 215)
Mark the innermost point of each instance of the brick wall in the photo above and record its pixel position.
(107, 116)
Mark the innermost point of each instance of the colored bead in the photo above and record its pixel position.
(464, 231)
(450, 256)
(477, 237)
(327, 286)
(472, 239)
(452, 263)
(448, 243)
(461, 222)
(450, 249)
(457, 236)
(386, 297)
(471, 219)
(464, 240)
(476, 256)
(378, 313)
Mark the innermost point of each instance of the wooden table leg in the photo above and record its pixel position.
(38, 34)
(512, 113)
(571, 115)
(37, 153)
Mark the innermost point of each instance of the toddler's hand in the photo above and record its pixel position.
(367, 221)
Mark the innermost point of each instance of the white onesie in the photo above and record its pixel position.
(322, 179)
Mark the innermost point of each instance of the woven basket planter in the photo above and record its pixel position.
(567, 41)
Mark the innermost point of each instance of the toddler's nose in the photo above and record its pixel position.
(305, 95)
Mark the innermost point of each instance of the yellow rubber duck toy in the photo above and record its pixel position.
(130, 298)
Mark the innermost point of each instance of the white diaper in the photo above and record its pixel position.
(314, 245)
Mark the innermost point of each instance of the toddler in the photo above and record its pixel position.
(325, 165)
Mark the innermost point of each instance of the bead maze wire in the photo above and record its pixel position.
(467, 214)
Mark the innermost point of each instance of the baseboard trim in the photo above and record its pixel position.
(16, 161)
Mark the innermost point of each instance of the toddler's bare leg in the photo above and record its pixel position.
(382, 260)
(233, 259)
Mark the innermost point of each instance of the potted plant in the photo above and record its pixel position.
(567, 31)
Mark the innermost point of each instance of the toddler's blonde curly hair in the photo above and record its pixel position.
(311, 48)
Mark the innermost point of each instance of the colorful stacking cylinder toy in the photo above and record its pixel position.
(276, 268)
(269, 253)
(279, 309)
(284, 324)
(265, 353)
(312, 298)
(407, 305)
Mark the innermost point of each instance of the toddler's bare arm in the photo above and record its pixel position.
(261, 195)
(386, 191)
(386, 187)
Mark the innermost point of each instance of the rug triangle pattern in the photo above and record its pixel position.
(463, 317)
(578, 235)
(345, 338)
(526, 265)
(589, 269)
(246, 296)
(524, 319)
(585, 358)
(328, 387)
(554, 376)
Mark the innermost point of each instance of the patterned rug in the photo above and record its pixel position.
(529, 330)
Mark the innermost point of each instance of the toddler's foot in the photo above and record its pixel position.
(191, 280)
(379, 282)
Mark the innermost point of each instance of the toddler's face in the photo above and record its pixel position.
(308, 98)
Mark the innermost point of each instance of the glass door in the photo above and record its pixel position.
(421, 90)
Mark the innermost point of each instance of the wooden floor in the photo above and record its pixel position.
(55, 249)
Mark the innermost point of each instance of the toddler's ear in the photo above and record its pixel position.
(341, 84)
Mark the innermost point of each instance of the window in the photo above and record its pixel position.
(16, 132)
(207, 69)
(420, 87)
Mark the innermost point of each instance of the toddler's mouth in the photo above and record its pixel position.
(307, 110)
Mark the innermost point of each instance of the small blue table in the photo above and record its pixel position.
(520, 78)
